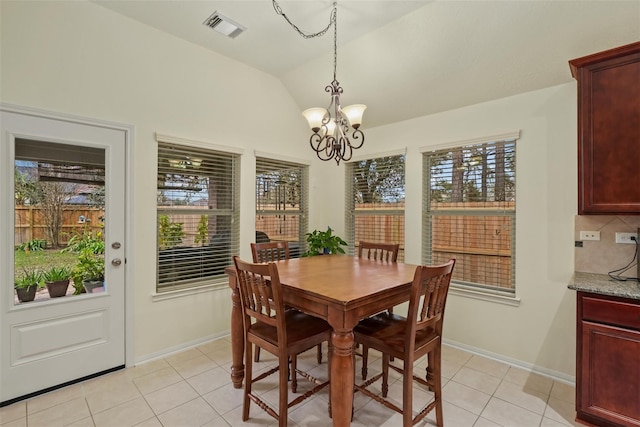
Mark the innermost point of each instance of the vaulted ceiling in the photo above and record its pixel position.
(404, 59)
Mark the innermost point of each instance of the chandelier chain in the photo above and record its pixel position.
(332, 20)
(335, 40)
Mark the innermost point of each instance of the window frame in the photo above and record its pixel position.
(269, 160)
(468, 289)
(214, 281)
(350, 210)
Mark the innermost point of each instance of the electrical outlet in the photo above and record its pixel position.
(626, 238)
(589, 235)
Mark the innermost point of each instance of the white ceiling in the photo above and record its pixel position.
(404, 59)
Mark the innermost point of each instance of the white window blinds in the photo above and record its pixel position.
(281, 203)
(470, 211)
(197, 218)
(375, 192)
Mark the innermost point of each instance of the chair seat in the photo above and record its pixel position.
(303, 332)
(387, 333)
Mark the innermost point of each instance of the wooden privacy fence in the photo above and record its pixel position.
(30, 223)
(373, 225)
(280, 226)
(481, 243)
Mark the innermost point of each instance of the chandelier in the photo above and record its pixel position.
(331, 125)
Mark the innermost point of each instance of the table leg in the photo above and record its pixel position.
(237, 339)
(342, 377)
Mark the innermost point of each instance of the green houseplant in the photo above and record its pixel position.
(324, 242)
(27, 284)
(57, 280)
(88, 274)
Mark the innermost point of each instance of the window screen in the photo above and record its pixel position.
(470, 211)
(375, 201)
(281, 203)
(197, 218)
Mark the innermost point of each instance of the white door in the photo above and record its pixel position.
(53, 341)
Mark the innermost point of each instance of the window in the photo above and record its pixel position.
(470, 211)
(281, 203)
(197, 219)
(375, 201)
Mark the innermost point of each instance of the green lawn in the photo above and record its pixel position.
(43, 260)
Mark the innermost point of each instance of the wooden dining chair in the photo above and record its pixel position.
(284, 333)
(271, 252)
(379, 251)
(410, 338)
(387, 252)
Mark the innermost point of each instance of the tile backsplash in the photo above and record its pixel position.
(605, 255)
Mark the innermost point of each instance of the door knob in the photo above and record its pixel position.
(115, 245)
(116, 261)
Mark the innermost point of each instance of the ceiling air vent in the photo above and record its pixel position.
(224, 25)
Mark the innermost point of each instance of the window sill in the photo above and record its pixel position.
(185, 292)
(484, 295)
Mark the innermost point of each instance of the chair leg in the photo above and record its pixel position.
(257, 355)
(390, 311)
(429, 377)
(365, 361)
(292, 373)
(385, 374)
(319, 354)
(248, 380)
(437, 379)
(407, 394)
(329, 355)
(283, 402)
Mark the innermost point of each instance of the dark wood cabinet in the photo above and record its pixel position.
(608, 360)
(609, 131)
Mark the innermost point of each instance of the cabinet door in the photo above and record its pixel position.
(610, 372)
(609, 135)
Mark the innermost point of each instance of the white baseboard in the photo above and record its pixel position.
(555, 375)
(178, 348)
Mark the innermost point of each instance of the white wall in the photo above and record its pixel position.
(78, 58)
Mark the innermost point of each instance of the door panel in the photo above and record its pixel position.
(53, 341)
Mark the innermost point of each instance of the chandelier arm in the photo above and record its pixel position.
(324, 146)
(357, 135)
(315, 142)
(344, 146)
(332, 20)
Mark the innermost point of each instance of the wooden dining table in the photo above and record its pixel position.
(342, 290)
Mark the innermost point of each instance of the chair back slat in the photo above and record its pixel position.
(378, 251)
(260, 295)
(428, 298)
(270, 251)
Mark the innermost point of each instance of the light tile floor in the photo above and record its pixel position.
(193, 388)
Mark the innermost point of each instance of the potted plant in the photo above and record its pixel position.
(88, 274)
(324, 242)
(27, 285)
(57, 280)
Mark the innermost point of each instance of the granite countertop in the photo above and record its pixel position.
(604, 285)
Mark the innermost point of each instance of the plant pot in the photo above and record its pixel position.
(27, 294)
(57, 289)
(92, 286)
